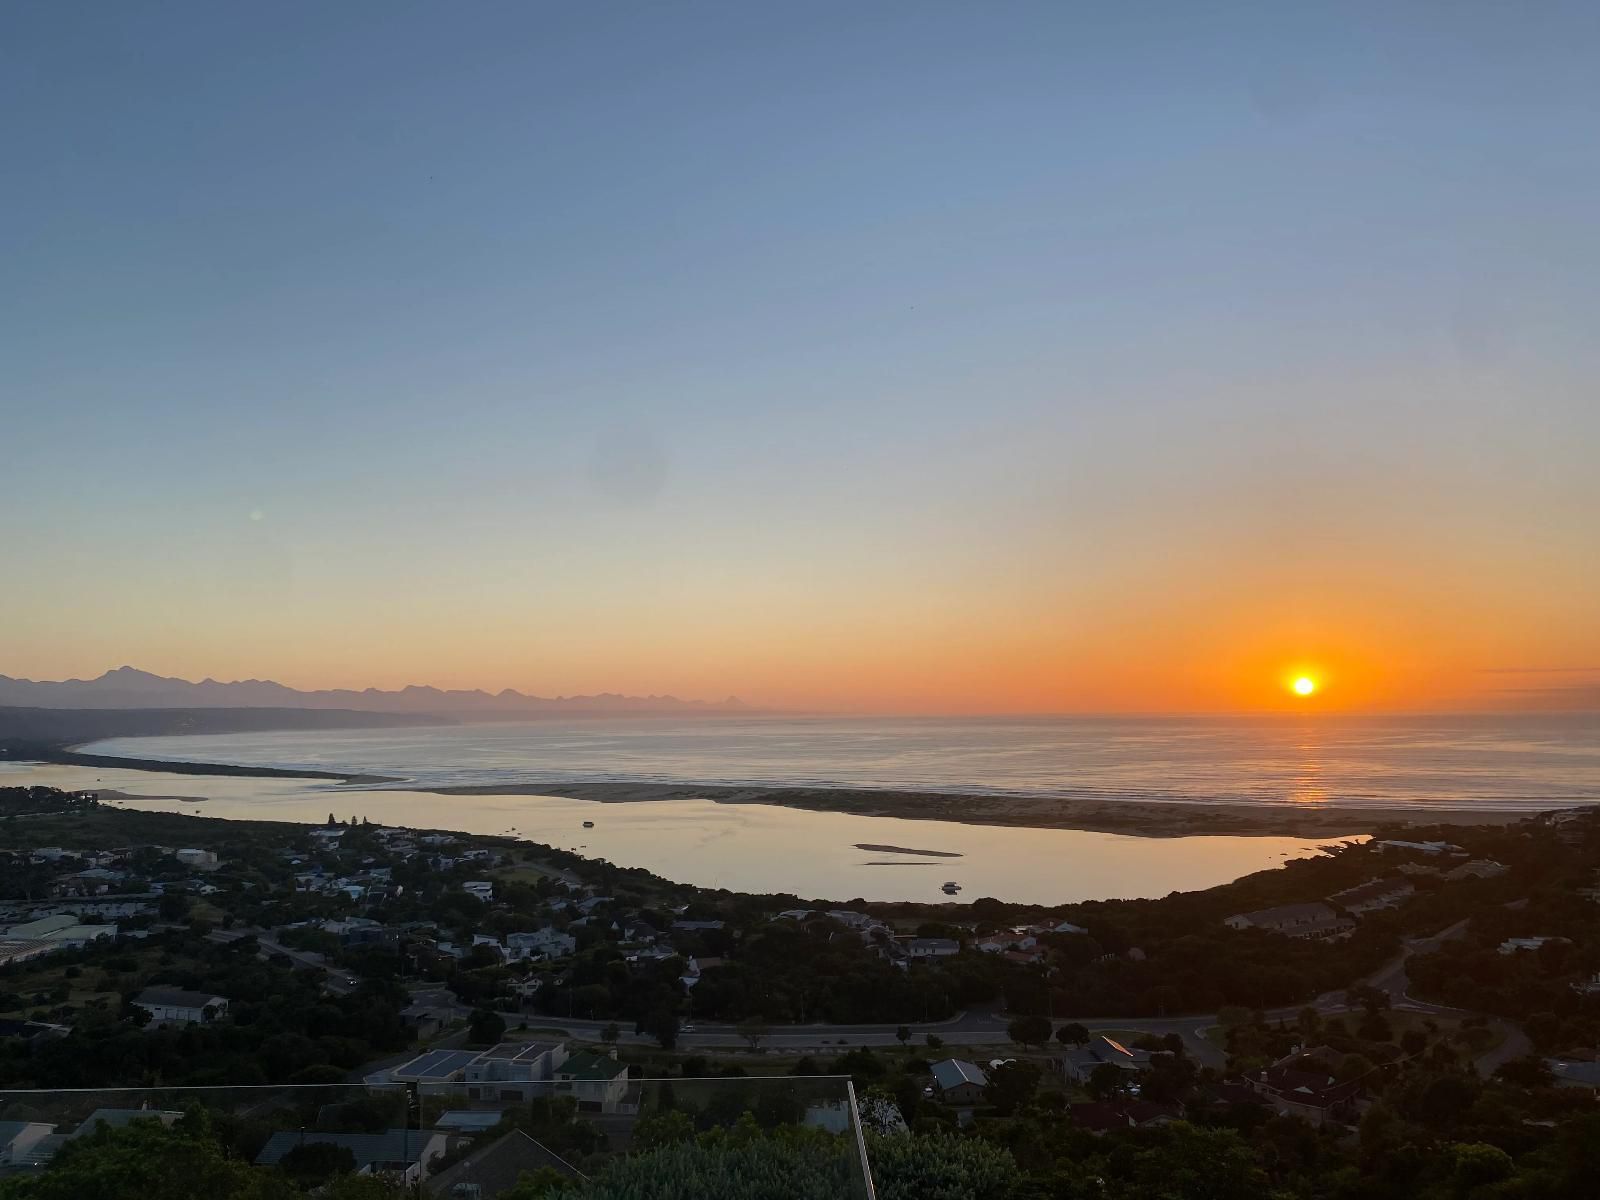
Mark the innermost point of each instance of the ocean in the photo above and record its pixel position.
(1501, 763)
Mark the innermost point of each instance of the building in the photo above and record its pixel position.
(402, 1152)
(959, 1082)
(495, 1169)
(483, 889)
(19, 1139)
(1079, 1063)
(598, 1082)
(1302, 1086)
(514, 1071)
(200, 860)
(1373, 895)
(470, 1120)
(930, 947)
(175, 1006)
(1519, 945)
(19, 950)
(430, 1067)
(116, 1118)
(1571, 1073)
(1314, 920)
(548, 942)
(1478, 868)
(1419, 847)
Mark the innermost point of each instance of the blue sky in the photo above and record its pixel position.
(717, 348)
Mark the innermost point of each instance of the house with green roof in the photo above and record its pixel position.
(598, 1082)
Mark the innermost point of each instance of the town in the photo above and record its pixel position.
(485, 1011)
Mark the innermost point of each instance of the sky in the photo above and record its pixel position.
(872, 357)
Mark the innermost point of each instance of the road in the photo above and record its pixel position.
(988, 1027)
(976, 1027)
(337, 981)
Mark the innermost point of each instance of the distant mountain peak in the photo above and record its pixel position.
(129, 687)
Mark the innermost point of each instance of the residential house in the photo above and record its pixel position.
(19, 1139)
(1111, 1116)
(548, 942)
(1313, 920)
(1418, 847)
(598, 1082)
(483, 889)
(1478, 868)
(176, 1006)
(200, 860)
(1574, 1073)
(1373, 895)
(959, 1081)
(470, 1120)
(496, 1168)
(1519, 945)
(1302, 1086)
(433, 1067)
(400, 1152)
(116, 1118)
(1079, 1062)
(929, 947)
(514, 1070)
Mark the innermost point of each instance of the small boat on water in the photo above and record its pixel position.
(951, 888)
(588, 824)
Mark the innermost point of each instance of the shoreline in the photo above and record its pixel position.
(72, 756)
(1140, 818)
(1136, 818)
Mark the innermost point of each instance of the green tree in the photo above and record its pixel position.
(146, 1161)
(754, 1031)
(1072, 1034)
(923, 1167)
(1029, 1031)
(903, 1034)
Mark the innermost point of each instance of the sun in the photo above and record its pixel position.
(1304, 685)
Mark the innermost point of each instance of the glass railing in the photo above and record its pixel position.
(584, 1129)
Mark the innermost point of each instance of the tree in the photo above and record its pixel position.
(1105, 1081)
(935, 1042)
(146, 1161)
(923, 1167)
(661, 1024)
(1030, 1031)
(610, 1034)
(1011, 1086)
(312, 1162)
(754, 1031)
(903, 1034)
(486, 1028)
(1072, 1034)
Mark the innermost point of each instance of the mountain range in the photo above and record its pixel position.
(128, 687)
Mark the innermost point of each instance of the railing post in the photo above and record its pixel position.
(861, 1140)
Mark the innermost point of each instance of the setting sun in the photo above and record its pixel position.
(1304, 685)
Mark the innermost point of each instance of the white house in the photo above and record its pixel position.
(200, 860)
(175, 1006)
(930, 947)
(19, 1138)
(514, 1070)
(483, 889)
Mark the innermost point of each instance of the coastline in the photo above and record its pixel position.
(1141, 818)
(72, 756)
(1136, 818)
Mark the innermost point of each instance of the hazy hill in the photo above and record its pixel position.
(127, 687)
